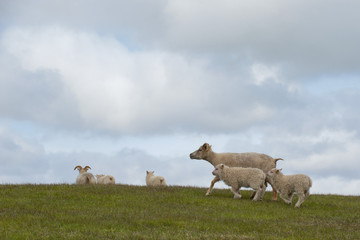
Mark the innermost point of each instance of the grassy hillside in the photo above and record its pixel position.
(137, 212)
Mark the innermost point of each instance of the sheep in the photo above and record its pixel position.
(237, 177)
(250, 159)
(287, 185)
(105, 179)
(154, 181)
(84, 177)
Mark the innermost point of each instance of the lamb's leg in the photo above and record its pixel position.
(262, 192)
(236, 192)
(257, 195)
(283, 197)
(301, 199)
(253, 195)
(307, 194)
(216, 179)
(290, 196)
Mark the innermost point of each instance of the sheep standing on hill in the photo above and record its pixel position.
(84, 177)
(105, 179)
(287, 185)
(237, 177)
(246, 160)
(154, 181)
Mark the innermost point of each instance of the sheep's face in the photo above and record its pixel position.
(217, 169)
(202, 152)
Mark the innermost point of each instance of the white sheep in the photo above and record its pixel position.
(84, 177)
(105, 179)
(287, 185)
(237, 177)
(154, 181)
(251, 159)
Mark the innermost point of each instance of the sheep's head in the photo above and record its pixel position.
(150, 173)
(99, 175)
(202, 152)
(273, 172)
(217, 169)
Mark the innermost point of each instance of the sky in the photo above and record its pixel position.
(135, 85)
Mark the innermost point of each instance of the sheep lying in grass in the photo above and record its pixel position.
(105, 179)
(84, 177)
(154, 181)
(237, 177)
(252, 160)
(287, 185)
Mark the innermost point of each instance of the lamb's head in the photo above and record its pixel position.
(219, 168)
(82, 170)
(202, 152)
(273, 173)
(99, 176)
(150, 173)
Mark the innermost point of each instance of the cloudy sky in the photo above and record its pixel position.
(130, 86)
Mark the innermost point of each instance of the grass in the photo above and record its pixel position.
(138, 212)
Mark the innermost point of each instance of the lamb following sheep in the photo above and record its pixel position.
(287, 185)
(238, 177)
(251, 159)
(154, 181)
(84, 177)
(105, 179)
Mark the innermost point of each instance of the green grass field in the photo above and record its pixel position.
(138, 212)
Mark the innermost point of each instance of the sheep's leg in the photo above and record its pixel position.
(216, 179)
(307, 193)
(257, 196)
(274, 197)
(290, 196)
(262, 192)
(253, 195)
(236, 192)
(301, 200)
(283, 197)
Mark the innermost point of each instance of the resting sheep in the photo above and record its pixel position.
(105, 179)
(251, 159)
(238, 177)
(84, 177)
(287, 185)
(154, 181)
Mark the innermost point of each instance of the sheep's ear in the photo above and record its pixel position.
(206, 146)
(277, 171)
(222, 166)
(147, 172)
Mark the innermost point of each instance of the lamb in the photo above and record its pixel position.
(105, 179)
(251, 159)
(238, 177)
(84, 177)
(154, 181)
(287, 185)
